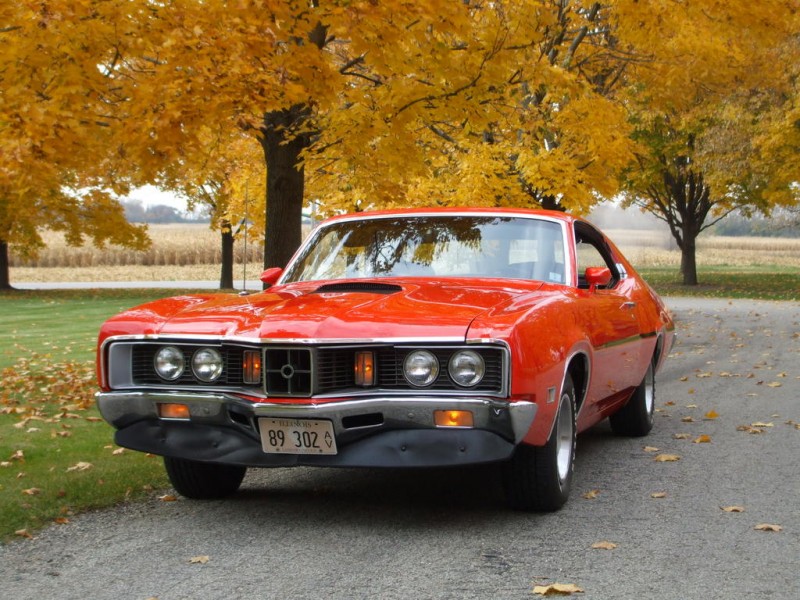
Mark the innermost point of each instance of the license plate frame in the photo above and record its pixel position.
(281, 435)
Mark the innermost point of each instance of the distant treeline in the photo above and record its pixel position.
(784, 225)
(136, 212)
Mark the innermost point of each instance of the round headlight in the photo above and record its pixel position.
(420, 368)
(466, 368)
(207, 364)
(169, 363)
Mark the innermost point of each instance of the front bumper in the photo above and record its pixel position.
(374, 432)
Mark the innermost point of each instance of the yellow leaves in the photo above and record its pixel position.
(681, 436)
(80, 466)
(591, 495)
(650, 449)
(23, 533)
(557, 589)
(768, 527)
(32, 491)
(712, 414)
(658, 495)
(199, 560)
(168, 498)
(702, 439)
(604, 545)
(732, 509)
(667, 458)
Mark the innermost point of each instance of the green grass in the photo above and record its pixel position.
(58, 330)
(760, 283)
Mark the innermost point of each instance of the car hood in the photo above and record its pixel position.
(341, 311)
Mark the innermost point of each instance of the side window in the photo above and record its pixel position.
(590, 251)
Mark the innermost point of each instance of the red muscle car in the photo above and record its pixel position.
(413, 338)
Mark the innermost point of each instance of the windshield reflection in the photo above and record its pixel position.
(434, 246)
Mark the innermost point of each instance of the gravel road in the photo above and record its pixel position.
(309, 533)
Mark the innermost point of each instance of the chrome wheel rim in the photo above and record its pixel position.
(564, 437)
(649, 391)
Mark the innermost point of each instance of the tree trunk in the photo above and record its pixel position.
(5, 277)
(226, 270)
(285, 183)
(689, 260)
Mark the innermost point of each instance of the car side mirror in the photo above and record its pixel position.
(270, 276)
(598, 277)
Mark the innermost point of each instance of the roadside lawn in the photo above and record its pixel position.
(57, 456)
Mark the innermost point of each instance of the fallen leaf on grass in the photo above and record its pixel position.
(81, 466)
(23, 533)
(32, 491)
(733, 509)
(557, 589)
(18, 455)
(61, 520)
(667, 458)
(199, 560)
(604, 545)
(5, 464)
(768, 527)
(591, 494)
(118, 451)
(703, 439)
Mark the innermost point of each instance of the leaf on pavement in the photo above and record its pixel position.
(658, 495)
(681, 436)
(712, 414)
(667, 458)
(761, 424)
(591, 494)
(604, 545)
(768, 527)
(749, 429)
(61, 520)
(557, 589)
(199, 560)
(733, 509)
(687, 420)
(650, 449)
(703, 439)
(168, 498)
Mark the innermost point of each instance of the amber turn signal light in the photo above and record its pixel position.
(365, 369)
(173, 411)
(251, 367)
(453, 418)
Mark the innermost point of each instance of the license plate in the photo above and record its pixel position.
(297, 436)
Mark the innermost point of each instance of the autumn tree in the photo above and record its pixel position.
(58, 167)
(729, 149)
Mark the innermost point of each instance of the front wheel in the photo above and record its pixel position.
(539, 478)
(203, 481)
(635, 419)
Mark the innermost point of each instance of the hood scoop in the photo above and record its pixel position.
(368, 287)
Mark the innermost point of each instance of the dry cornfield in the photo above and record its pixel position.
(192, 252)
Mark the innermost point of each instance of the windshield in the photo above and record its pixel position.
(433, 246)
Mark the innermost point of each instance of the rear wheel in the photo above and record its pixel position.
(635, 419)
(203, 481)
(539, 478)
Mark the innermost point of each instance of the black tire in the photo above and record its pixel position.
(203, 481)
(539, 478)
(635, 419)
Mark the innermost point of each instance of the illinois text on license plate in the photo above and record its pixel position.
(297, 436)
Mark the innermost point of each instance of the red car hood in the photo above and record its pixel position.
(413, 309)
